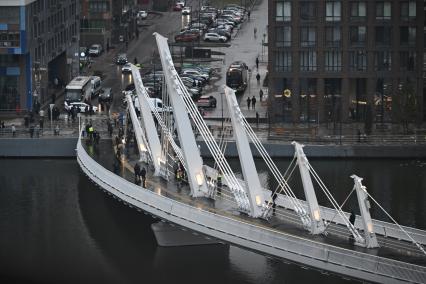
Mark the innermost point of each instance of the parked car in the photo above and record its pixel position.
(126, 68)
(142, 14)
(81, 106)
(221, 32)
(206, 101)
(121, 59)
(177, 7)
(95, 50)
(214, 37)
(186, 10)
(186, 37)
(105, 95)
(194, 72)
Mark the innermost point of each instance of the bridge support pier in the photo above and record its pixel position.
(172, 236)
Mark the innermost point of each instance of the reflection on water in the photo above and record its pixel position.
(57, 227)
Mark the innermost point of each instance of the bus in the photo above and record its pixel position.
(236, 76)
(82, 88)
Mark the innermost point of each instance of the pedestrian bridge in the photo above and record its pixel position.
(213, 205)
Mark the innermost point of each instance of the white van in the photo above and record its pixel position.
(96, 86)
(154, 103)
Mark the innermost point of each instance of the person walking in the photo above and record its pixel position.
(143, 176)
(257, 119)
(258, 78)
(255, 32)
(13, 130)
(253, 102)
(32, 131)
(137, 170)
(248, 102)
(257, 63)
(248, 15)
(261, 94)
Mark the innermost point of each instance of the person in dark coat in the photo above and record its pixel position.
(352, 217)
(143, 176)
(253, 102)
(248, 102)
(137, 170)
(257, 62)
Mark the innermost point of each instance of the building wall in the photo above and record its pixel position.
(342, 85)
(47, 30)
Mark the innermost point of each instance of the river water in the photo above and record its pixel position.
(57, 227)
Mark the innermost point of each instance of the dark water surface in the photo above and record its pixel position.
(57, 227)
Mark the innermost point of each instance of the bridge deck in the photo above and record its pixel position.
(284, 221)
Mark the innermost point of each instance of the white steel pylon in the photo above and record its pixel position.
(364, 208)
(143, 147)
(253, 189)
(191, 153)
(317, 224)
(147, 120)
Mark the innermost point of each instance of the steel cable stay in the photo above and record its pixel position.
(341, 206)
(169, 135)
(239, 192)
(336, 206)
(271, 165)
(396, 223)
(298, 207)
(214, 149)
(222, 143)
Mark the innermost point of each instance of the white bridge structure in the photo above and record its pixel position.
(214, 205)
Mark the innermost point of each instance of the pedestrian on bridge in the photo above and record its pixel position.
(253, 102)
(257, 63)
(13, 130)
(137, 170)
(261, 94)
(143, 176)
(258, 78)
(219, 183)
(248, 102)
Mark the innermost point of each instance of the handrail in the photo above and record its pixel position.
(263, 239)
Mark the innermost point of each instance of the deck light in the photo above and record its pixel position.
(317, 215)
(258, 200)
(200, 179)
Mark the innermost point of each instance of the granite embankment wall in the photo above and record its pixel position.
(65, 147)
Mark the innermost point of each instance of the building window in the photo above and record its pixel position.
(383, 35)
(283, 36)
(307, 36)
(383, 10)
(408, 10)
(358, 10)
(383, 60)
(283, 11)
(358, 35)
(308, 61)
(98, 6)
(332, 36)
(332, 11)
(333, 61)
(358, 60)
(407, 60)
(9, 39)
(308, 11)
(283, 61)
(408, 35)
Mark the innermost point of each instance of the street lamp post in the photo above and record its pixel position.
(221, 102)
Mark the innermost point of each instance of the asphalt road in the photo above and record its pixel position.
(169, 24)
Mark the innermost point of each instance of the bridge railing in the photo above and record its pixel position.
(257, 237)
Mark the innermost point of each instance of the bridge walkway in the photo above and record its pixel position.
(284, 222)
